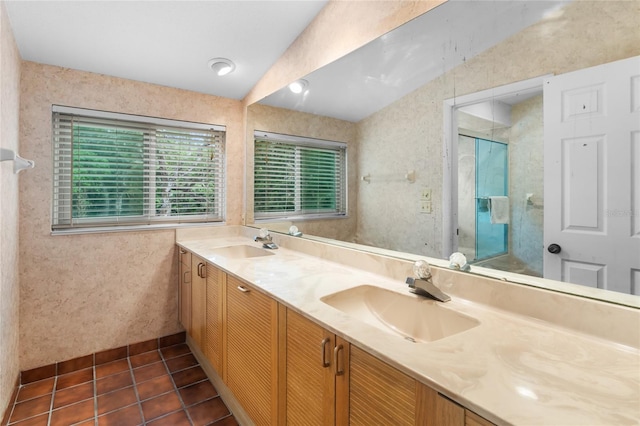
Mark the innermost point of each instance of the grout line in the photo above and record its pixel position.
(135, 389)
(175, 388)
(53, 395)
(95, 393)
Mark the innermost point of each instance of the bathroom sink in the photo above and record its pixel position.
(409, 316)
(241, 252)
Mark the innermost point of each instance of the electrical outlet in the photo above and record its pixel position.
(426, 194)
(425, 206)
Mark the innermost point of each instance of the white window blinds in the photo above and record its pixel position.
(112, 170)
(298, 177)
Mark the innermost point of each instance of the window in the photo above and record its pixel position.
(298, 177)
(115, 169)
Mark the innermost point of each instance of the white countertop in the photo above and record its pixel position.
(510, 369)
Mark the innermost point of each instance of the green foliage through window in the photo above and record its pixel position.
(293, 179)
(109, 172)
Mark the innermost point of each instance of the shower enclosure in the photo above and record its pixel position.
(482, 174)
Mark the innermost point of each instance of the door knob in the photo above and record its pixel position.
(554, 248)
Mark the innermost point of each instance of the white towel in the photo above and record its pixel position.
(499, 209)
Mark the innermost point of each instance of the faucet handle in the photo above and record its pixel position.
(421, 269)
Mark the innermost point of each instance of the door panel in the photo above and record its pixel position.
(592, 181)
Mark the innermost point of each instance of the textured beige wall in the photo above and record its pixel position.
(85, 293)
(408, 134)
(278, 120)
(9, 202)
(340, 27)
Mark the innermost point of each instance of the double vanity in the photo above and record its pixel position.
(314, 333)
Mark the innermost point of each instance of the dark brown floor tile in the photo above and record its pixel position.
(114, 382)
(179, 418)
(90, 422)
(36, 374)
(161, 405)
(41, 420)
(110, 368)
(72, 413)
(30, 408)
(75, 378)
(141, 347)
(181, 362)
(145, 359)
(114, 400)
(129, 416)
(174, 351)
(199, 392)
(189, 376)
(72, 395)
(227, 421)
(154, 387)
(208, 412)
(150, 371)
(35, 389)
(111, 355)
(172, 339)
(75, 364)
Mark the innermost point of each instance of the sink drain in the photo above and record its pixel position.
(411, 339)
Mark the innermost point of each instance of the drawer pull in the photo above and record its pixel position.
(323, 348)
(243, 289)
(336, 353)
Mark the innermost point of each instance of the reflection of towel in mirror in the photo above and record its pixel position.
(499, 209)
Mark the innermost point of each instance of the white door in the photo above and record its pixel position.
(592, 176)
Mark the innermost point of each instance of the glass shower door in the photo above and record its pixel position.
(491, 180)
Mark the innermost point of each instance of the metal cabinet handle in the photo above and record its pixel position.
(243, 289)
(201, 270)
(204, 270)
(336, 351)
(323, 348)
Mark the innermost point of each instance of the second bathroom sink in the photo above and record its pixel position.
(241, 252)
(412, 317)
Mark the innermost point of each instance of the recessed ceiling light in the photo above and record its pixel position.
(222, 66)
(298, 86)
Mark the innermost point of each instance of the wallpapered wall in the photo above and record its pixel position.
(9, 203)
(85, 293)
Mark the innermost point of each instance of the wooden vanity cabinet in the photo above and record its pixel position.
(184, 288)
(198, 300)
(213, 349)
(251, 341)
(314, 372)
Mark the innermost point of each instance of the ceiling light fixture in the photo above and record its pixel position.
(298, 86)
(222, 66)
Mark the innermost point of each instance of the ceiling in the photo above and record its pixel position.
(162, 42)
(381, 72)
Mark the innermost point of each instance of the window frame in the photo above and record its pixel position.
(341, 201)
(151, 128)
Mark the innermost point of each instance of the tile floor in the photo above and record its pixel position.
(164, 386)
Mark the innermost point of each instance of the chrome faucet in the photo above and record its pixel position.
(423, 285)
(265, 238)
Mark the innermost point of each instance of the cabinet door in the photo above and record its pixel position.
(434, 409)
(184, 289)
(198, 300)
(216, 281)
(472, 419)
(251, 371)
(378, 393)
(310, 380)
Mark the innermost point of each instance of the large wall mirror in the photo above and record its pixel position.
(444, 124)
